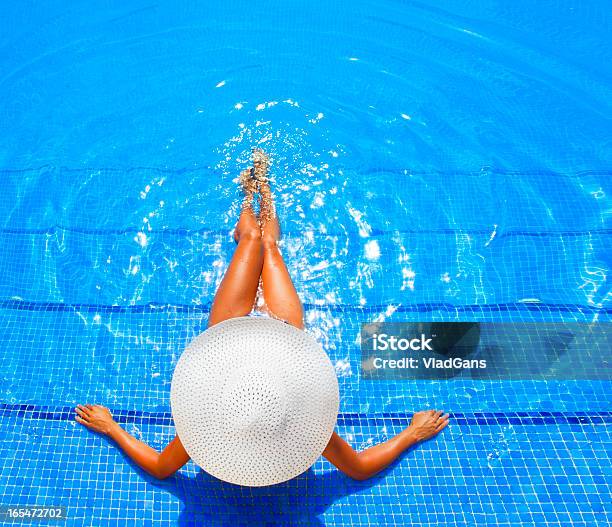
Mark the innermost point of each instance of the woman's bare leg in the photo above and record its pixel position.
(279, 293)
(236, 294)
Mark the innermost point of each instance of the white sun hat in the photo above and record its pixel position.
(254, 401)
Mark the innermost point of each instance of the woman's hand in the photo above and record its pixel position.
(95, 417)
(426, 424)
(368, 462)
(99, 419)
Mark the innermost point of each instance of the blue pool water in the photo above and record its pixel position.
(431, 160)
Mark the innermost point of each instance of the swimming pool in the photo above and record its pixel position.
(433, 161)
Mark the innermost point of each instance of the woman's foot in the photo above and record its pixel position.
(267, 211)
(249, 188)
(261, 163)
(255, 180)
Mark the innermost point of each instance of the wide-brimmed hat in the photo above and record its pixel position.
(254, 401)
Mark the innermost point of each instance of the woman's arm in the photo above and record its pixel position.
(363, 465)
(99, 419)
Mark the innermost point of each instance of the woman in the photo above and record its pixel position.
(257, 260)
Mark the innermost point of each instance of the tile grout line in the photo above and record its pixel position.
(180, 231)
(156, 307)
(66, 413)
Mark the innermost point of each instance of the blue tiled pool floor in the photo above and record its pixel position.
(474, 474)
(431, 161)
(517, 452)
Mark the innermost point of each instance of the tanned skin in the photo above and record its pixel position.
(257, 257)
